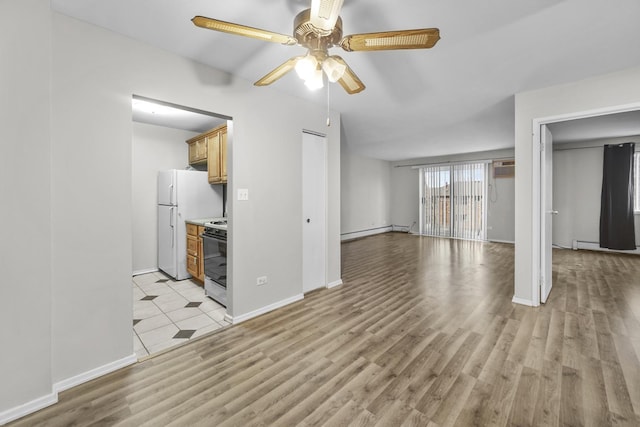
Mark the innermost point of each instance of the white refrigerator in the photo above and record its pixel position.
(182, 195)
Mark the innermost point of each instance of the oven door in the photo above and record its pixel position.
(215, 268)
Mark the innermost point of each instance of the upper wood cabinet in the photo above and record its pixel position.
(210, 149)
(223, 155)
(217, 155)
(197, 150)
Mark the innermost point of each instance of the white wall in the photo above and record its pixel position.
(603, 93)
(405, 198)
(25, 210)
(501, 208)
(87, 226)
(365, 194)
(155, 148)
(406, 194)
(95, 73)
(577, 186)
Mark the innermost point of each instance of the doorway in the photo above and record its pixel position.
(314, 211)
(609, 125)
(166, 311)
(453, 200)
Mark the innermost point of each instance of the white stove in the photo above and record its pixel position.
(217, 223)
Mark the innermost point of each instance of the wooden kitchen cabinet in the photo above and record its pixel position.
(195, 259)
(217, 155)
(223, 155)
(210, 149)
(197, 150)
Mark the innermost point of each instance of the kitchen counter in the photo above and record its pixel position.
(199, 222)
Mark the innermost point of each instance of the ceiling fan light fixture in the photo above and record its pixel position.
(318, 29)
(334, 69)
(306, 66)
(314, 82)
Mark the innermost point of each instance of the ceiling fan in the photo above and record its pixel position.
(318, 29)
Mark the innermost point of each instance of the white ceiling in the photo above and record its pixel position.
(600, 127)
(456, 97)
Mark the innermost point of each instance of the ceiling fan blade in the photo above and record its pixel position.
(349, 81)
(278, 72)
(243, 30)
(405, 39)
(324, 14)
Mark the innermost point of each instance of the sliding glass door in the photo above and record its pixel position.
(453, 200)
(436, 201)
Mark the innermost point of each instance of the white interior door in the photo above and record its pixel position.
(546, 203)
(314, 177)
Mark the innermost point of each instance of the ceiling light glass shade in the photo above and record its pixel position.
(305, 67)
(314, 82)
(334, 69)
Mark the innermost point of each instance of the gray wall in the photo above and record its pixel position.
(25, 191)
(72, 205)
(603, 93)
(154, 148)
(577, 184)
(365, 193)
(405, 192)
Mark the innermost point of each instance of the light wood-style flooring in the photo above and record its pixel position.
(422, 333)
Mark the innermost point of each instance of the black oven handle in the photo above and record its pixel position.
(217, 239)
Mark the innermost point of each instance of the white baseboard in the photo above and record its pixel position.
(364, 233)
(592, 246)
(52, 398)
(146, 271)
(94, 373)
(522, 301)
(502, 241)
(28, 408)
(263, 310)
(334, 284)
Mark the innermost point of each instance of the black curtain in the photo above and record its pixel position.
(617, 229)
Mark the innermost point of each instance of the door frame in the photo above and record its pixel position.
(538, 180)
(546, 213)
(325, 241)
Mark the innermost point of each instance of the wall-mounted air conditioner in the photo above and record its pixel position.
(504, 168)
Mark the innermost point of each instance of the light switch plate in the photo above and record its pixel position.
(243, 194)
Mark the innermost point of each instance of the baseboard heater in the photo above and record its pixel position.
(595, 246)
(403, 228)
(363, 233)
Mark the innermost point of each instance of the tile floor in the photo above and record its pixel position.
(168, 312)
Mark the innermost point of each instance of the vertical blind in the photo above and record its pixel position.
(454, 200)
(436, 201)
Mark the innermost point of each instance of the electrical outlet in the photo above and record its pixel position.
(262, 280)
(243, 194)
